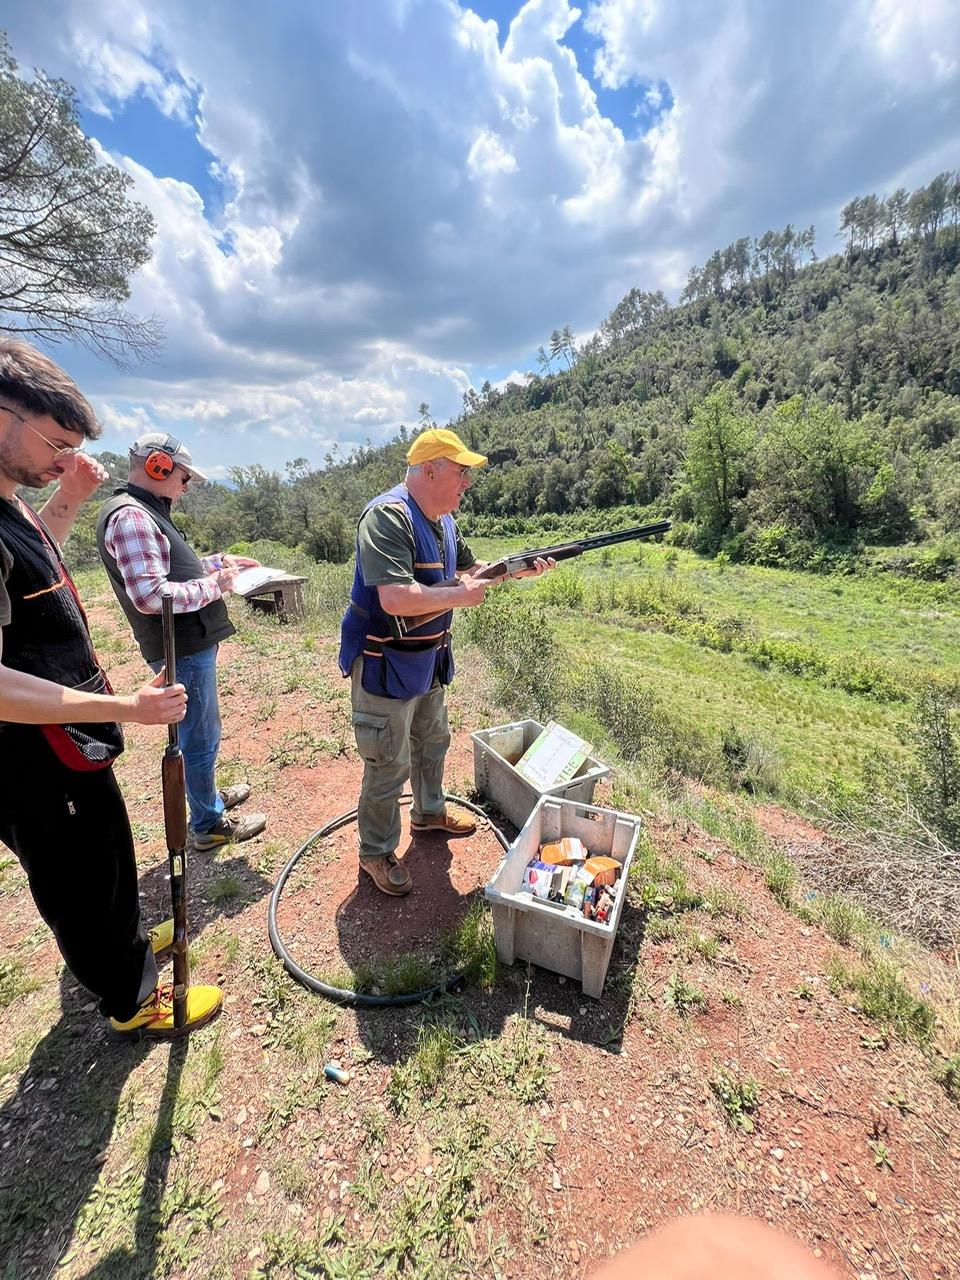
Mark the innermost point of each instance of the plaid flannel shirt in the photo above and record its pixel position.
(142, 554)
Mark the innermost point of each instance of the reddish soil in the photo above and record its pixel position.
(640, 1134)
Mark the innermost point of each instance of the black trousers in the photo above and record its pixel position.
(72, 836)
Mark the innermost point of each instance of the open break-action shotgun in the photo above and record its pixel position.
(175, 826)
(506, 566)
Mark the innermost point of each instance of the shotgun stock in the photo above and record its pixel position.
(175, 827)
(507, 566)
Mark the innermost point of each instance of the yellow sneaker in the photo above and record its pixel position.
(154, 1019)
(161, 939)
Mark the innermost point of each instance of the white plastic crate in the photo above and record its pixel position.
(529, 928)
(496, 751)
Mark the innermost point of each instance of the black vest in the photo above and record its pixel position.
(47, 636)
(195, 631)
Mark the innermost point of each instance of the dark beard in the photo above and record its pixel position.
(17, 472)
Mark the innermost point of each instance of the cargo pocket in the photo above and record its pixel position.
(374, 737)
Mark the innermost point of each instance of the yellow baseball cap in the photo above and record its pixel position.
(438, 442)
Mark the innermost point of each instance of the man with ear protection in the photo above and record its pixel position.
(144, 553)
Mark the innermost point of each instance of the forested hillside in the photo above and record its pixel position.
(789, 409)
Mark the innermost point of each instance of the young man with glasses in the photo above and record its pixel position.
(146, 557)
(61, 811)
(412, 562)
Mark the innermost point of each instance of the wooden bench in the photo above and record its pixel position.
(282, 595)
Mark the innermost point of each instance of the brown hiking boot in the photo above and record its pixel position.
(447, 822)
(389, 875)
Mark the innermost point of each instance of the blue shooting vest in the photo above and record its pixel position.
(407, 667)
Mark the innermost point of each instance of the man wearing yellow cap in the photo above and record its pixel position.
(412, 562)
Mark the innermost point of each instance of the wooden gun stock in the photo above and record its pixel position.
(174, 795)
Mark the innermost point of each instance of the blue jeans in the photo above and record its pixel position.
(200, 736)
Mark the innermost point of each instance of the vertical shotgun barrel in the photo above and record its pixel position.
(175, 826)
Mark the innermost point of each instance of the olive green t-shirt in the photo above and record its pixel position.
(387, 546)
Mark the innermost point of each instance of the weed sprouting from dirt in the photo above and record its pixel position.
(682, 996)
(225, 890)
(470, 947)
(739, 1096)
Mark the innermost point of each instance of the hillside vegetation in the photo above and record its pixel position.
(787, 410)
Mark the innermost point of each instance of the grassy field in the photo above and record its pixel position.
(904, 621)
(909, 630)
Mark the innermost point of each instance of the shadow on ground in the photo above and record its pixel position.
(56, 1129)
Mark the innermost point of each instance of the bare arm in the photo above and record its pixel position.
(413, 599)
(80, 478)
(26, 699)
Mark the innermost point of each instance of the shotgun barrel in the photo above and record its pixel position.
(175, 827)
(567, 550)
(508, 565)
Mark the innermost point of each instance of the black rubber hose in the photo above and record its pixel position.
(342, 994)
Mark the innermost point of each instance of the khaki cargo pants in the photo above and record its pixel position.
(397, 739)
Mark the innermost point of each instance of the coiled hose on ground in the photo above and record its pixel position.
(343, 995)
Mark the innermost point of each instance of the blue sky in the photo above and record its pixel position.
(364, 206)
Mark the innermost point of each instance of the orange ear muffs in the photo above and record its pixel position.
(158, 465)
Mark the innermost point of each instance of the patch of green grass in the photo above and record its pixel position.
(471, 947)
(739, 1096)
(144, 831)
(297, 1096)
(780, 877)
(882, 996)
(682, 996)
(304, 747)
(813, 730)
(842, 919)
(437, 1042)
(661, 928)
(15, 981)
(703, 946)
(719, 901)
(225, 889)
(948, 1075)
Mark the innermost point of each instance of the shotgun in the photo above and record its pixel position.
(175, 826)
(506, 566)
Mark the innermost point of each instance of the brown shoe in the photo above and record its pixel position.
(389, 875)
(448, 822)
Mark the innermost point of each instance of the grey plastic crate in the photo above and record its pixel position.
(558, 938)
(496, 751)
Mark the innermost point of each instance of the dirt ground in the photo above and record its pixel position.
(552, 1130)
